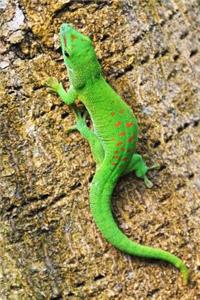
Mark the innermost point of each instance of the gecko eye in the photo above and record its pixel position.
(66, 53)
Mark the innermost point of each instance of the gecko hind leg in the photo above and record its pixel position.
(138, 165)
(89, 135)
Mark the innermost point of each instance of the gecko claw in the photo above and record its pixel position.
(148, 182)
(71, 129)
(155, 166)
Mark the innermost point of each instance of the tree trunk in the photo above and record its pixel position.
(50, 247)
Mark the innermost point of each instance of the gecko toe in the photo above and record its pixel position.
(148, 182)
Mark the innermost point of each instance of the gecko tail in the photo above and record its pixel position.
(100, 203)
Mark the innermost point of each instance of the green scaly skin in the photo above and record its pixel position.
(112, 140)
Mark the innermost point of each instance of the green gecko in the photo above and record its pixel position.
(112, 140)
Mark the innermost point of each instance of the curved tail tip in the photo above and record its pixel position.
(185, 273)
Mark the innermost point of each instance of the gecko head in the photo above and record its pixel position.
(79, 56)
(76, 47)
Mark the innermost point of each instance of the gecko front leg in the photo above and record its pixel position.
(89, 135)
(68, 97)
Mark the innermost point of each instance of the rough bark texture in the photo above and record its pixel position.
(49, 245)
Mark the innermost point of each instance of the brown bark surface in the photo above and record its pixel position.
(50, 247)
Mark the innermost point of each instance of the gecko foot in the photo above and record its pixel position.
(53, 83)
(81, 122)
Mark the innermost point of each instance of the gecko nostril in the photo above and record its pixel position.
(65, 41)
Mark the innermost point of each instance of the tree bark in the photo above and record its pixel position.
(50, 247)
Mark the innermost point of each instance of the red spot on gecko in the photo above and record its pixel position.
(113, 163)
(123, 149)
(124, 159)
(131, 138)
(112, 113)
(116, 151)
(113, 139)
(122, 133)
(116, 157)
(73, 37)
(121, 111)
(117, 124)
(119, 143)
(129, 124)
